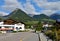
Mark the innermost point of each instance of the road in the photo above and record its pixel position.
(20, 36)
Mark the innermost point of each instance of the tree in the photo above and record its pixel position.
(0, 19)
(39, 26)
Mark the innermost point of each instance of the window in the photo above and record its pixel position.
(0, 27)
(20, 28)
(16, 27)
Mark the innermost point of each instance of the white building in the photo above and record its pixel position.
(1, 23)
(19, 26)
(45, 25)
(15, 27)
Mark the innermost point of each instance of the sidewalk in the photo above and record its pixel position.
(44, 38)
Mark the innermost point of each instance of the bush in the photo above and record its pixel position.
(23, 31)
(38, 29)
(50, 34)
(14, 31)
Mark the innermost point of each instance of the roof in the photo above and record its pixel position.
(7, 21)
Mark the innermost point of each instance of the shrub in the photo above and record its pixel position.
(14, 31)
(50, 34)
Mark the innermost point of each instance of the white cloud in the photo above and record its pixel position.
(49, 7)
(29, 8)
(3, 13)
(52, 6)
(11, 5)
(48, 12)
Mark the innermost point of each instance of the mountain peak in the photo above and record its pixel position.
(19, 15)
(17, 9)
(55, 16)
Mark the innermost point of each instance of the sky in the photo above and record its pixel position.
(34, 7)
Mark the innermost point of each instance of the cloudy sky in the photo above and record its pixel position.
(34, 7)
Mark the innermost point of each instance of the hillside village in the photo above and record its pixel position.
(29, 20)
(24, 23)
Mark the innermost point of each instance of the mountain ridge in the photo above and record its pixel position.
(20, 15)
(41, 16)
(55, 16)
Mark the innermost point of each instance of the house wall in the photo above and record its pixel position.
(19, 27)
(1, 23)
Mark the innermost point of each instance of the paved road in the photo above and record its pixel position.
(21, 36)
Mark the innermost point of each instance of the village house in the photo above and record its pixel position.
(47, 26)
(11, 25)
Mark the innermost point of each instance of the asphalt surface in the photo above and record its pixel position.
(21, 36)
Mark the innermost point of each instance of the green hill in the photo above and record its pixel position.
(40, 17)
(20, 15)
